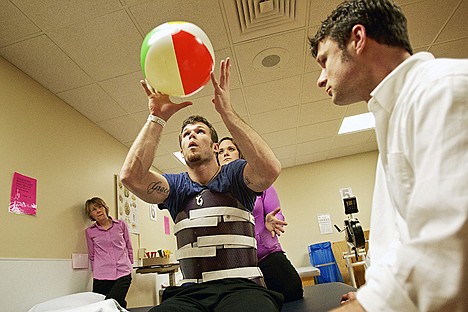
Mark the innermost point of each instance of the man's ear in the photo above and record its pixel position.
(358, 38)
(216, 148)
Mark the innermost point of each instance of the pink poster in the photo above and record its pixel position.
(167, 226)
(23, 195)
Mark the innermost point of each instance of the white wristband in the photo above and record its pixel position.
(157, 120)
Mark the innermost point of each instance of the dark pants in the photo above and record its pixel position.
(281, 276)
(116, 289)
(231, 294)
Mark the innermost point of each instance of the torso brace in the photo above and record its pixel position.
(216, 239)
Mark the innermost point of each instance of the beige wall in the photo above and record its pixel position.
(311, 190)
(72, 160)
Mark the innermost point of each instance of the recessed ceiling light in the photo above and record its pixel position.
(271, 59)
(180, 157)
(357, 123)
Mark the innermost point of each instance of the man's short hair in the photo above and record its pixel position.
(196, 118)
(383, 19)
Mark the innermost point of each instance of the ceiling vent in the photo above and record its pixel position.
(258, 14)
(250, 19)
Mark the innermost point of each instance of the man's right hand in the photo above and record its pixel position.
(159, 104)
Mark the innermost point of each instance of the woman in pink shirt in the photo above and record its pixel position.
(110, 252)
(277, 270)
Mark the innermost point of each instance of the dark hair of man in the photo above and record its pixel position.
(194, 119)
(384, 22)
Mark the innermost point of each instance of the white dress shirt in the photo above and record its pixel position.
(419, 221)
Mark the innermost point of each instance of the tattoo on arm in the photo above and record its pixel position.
(247, 181)
(157, 187)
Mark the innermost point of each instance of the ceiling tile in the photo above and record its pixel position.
(43, 61)
(310, 63)
(455, 49)
(356, 138)
(127, 91)
(205, 14)
(288, 48)
(453, 30)
(124, 128)
(320, 111)
(306, 159)
(318, 131)
(314, 147)
(87, 53)
(51, 14)
(369, 146)
(287, 162)
(345, 151)
(93, 102)
(170, 141)
(14, 24)
(280, 94)
(280, 138)
(421, 31)
(285, 151)
(104, 47)
(356, 109)
(310, 91)
(319, 10)
(165, 162)
(281, 119)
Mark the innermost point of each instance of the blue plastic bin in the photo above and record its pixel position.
(321, 257)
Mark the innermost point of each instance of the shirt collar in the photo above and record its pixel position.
(390, 87)
(96, 225)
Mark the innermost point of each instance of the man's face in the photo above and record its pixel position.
(196, 144)
(340, 73)
(227, 152)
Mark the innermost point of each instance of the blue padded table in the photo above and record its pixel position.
(317, 298)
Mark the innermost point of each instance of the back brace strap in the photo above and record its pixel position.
(245, 272)
(206, 245)
(216, 243)
(211, 216)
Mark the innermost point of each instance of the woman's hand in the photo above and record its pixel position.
(273, 224)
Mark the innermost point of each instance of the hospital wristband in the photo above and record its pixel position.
(157, 120)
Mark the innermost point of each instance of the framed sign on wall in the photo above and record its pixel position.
(127, 206)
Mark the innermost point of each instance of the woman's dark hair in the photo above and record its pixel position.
(235, 144)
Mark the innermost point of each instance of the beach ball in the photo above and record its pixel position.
(177, 58)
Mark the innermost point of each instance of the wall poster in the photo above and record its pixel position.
(127, 207)
(23, 195)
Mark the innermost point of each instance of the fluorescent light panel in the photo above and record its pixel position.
(179, 156)
(357, 123)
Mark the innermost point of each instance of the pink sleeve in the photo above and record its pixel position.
(127, 241)
(90, 243)
(271, 202)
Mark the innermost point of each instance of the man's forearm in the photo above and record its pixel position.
(135, 170)
(255, 150)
